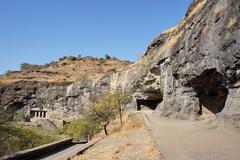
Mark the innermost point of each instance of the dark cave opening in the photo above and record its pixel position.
(213, 98)
(147, 104)
(211, 90)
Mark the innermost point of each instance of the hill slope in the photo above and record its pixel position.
(66, 69)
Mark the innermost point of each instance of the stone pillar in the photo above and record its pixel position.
(35, 114)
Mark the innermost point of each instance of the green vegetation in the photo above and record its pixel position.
(7, 72)
(109, 106)
(107, 56)
(104, 110)
(15, 137)
(30, 67)
(82, 129)
(102, 61)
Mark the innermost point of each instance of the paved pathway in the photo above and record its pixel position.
(193, 140)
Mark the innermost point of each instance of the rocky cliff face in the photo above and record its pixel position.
(62, 100)
(194, 65)
(23, 95)
(63, 88)
(191, 68)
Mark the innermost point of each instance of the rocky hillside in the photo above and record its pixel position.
(187, 71)
(64, 87)
(194, 66)
(66, 69)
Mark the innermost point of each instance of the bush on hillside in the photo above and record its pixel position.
(107, 56)
(83, 128)
(102, 61)
(72, 58)
(7, 72)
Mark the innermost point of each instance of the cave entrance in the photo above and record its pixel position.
(147, 104)
(147, 100)
(212, 99)
(211, 91)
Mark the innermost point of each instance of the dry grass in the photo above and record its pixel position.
(220, 7)
(67, 71)
(131, 123)
(196, 8)
(167, 45)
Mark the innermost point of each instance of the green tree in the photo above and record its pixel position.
(122, 99)
(109, 105)
(105, 110)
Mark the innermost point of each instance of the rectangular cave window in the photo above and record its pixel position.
(38, 114)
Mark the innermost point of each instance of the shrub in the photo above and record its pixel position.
(102, 61)
(31, 67)
(72, 58)
(8, 72)
(82, 128)
(107, 56)
(24, 66)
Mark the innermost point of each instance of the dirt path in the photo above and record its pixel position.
(132, 142)
(194, 140)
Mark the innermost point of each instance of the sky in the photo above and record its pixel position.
(40, 31)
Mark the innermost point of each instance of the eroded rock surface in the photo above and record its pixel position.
(191, 69)
(62, 101)
(195, 64)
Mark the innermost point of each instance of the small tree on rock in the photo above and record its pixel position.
(109, 105)
(105, 109)
(122, 99)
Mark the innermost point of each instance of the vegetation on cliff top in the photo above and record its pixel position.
(66, 69)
